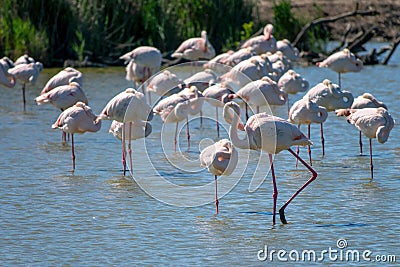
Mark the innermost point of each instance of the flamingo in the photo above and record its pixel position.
(174, 109)
(304, 111)
(163, 83)
(26, 73)
(127, 106)
(239, 56)
(365, 100)
(331, 97)
(251, 69)
(292, 83)
(272, 135)
(262, 43)
(285, 46)
(261, 93)
(216, 62)
(63, 96)
(143, 62)
(202, 79)
(64, 77)
(220, 158)
(374, 123)
(195, 48)
(218, 95)
(6, 78)
(77, 119)
(24, 59)
(342, 62)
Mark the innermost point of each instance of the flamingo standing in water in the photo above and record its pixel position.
(218, 95)
(365, 100)
(304, 111)
(342, 62)
(77, 119)
(285, 46)
(64, 77)
(26, 73)
(6, 78)
(292, 83)
(261, 93)
(130, 107)
(272, 135)
(374, 123)
(195, 48)
(263, 43)
(163, 84)
(220, 158)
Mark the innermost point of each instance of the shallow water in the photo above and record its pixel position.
(95, 217)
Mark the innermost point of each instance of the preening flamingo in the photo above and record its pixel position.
(130, 107)
(365, 100)
(6, 78)
(262, 43)
(238, 56)
(24, 59)
(261, 93)
(218, 95)
(374, 123)
(342, 62)
(77, 119)
(220, 158)
(286, 47)
(64, 77)
(272, 135)
(163, 84)
(195, 48)
(304, 111)
(26, 73)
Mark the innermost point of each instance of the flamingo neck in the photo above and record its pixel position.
(233, 134)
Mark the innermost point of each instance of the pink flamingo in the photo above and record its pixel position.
(130, 107)
(262, 43)
(6, 78)
(26, 73)
(252, 69)
(292, 83)
(195, 48)
(374, 123)
(216, 63)
(163, 84)
(220, 158)
(77, 119)
(24, 59)
(285, 46)
(261, 93)
(342, 62)
(272, 135)
(304, 111)
(218, 95)
(64, 77)
(365, 100)
(238, 56)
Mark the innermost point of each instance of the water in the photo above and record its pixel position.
(96, 217)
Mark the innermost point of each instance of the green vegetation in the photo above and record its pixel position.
(54, 30)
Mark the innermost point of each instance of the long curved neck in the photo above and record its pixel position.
(233, 132)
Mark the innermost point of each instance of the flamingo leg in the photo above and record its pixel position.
(288, 107)
(370, 159)
(275, 193)
(247, 111)
(340, 85)
(201, 119)
(216, 116)
(297, 150)
(360, 142)
(314, 175)
(258, 109)
(129, 146)
(216, 194)
(187, 133)
(23, 96)
(123, 148)
(176, 133)
(63, 137)
(309, 147)
(73, 152)
(322, 140)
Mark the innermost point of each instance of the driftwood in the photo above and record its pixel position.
(320, 21)
(393, 48)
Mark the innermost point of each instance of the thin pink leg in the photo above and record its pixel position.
(201, 119)
(322, 140)
(247, 111)
(187, 132)
(340, 84)
(297, 150)
(370, 159)
(216, 115)
(73, 152)
(123, 148)
(361, 145)
(275, 193)
(309, 147)
(314, 175)
(23, 97)
(129, 146)
(216, 194)
(176, 133)
(63, 137)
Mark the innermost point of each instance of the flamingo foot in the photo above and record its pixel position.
(282, 216)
